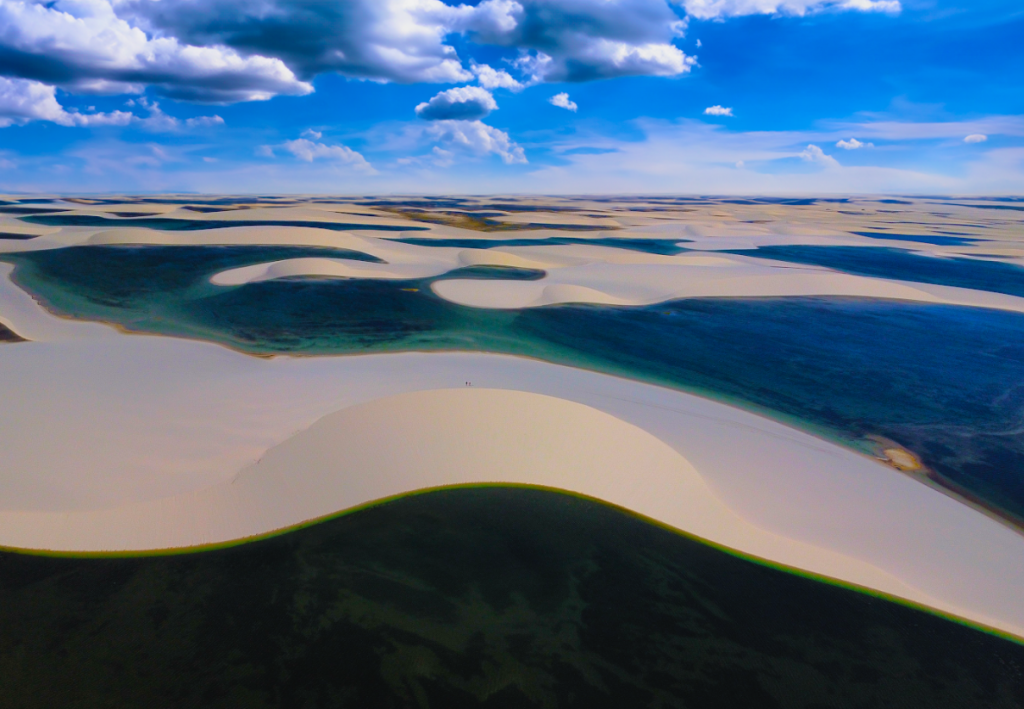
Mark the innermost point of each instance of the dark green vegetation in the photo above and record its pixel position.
(903, 265)
(173, 224)
(943, 381)
(480, 597)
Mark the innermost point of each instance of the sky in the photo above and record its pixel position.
(512, 96)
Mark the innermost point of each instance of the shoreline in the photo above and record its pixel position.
(847, 440)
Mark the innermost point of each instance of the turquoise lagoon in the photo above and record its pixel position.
(946, 382)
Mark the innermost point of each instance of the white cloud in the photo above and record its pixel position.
(224, 51)
(812, 153)
(716, 9)
(442, 157)
(582, 40)
(717, 111)
(491, 78)
(309, 151)
(562, 101)
(382, 40)
(478, 138)
(466, 103)
(312, 134)
(701, 158)
(976, 138)
(852, 144)
(22, 101)
(159, 122)
(83, 46)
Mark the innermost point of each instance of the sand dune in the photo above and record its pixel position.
(116, 442)
(132, 441)
(727, 278)
(596, 274)
(424, 439)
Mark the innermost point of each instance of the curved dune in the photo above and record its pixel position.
(646, 284)
(152, 429)
(602, 275)
(425, 439)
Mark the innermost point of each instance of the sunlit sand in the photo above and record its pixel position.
(114, 442)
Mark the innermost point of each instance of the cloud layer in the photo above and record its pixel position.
(716, 9)
(83, 46)
(226, 51)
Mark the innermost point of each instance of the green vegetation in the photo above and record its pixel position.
(475, 597)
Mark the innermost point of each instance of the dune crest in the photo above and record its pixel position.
(426, 439)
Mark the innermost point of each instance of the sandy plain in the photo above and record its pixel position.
(116, 442)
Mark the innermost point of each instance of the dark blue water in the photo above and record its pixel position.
(664, 247)
(884, 262)
(946, 382)
(937, 239)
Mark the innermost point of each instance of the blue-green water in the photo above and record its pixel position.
(947, 382)
(903, 265)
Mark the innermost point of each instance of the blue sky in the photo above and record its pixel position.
(524, 96)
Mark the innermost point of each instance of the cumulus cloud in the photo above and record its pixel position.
(225, 51)
(812, 153)
(383, 40)
(853, 144)
(466, 103)
(476, 137)
(309, 151)
(22, 101)
(976, 138)
(717, 111)
(715, 9)
(84, 46)
(407, 40)
(491, 78)
(562, 101)
(581, 40)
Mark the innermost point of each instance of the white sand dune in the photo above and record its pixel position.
(596, 274)
(620, 284)
(110, 442)
(434, 438)
(130, 443)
